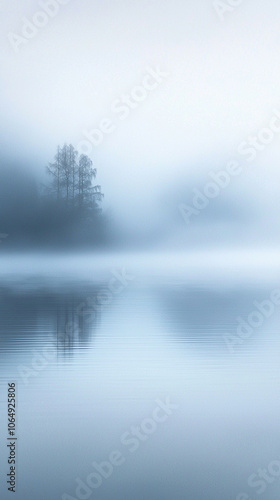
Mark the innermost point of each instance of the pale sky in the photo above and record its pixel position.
(222, 86)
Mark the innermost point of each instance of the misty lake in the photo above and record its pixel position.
(142, 376)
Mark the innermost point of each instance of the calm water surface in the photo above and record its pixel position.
(92, 353)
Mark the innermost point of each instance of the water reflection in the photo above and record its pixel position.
(64, 316)
(202, 317)
(111, 362)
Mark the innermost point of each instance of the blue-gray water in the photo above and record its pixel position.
(91, 363)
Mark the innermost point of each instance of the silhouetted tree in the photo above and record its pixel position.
(55, 171)
(72, 175)
(66, 211)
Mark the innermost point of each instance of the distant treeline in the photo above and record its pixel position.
(64, 210)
